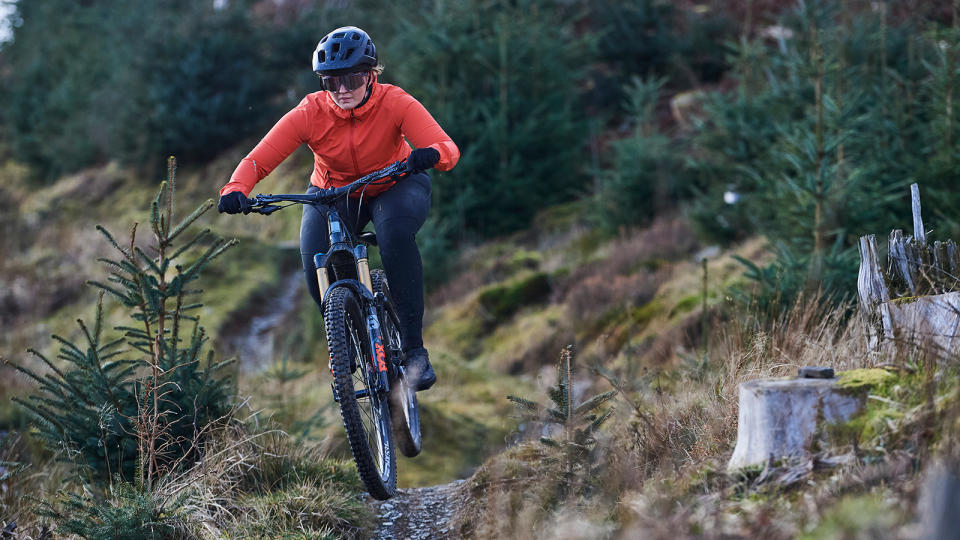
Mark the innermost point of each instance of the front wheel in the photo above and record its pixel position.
(405, 414)
(365, 410)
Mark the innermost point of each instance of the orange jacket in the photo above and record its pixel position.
(347, 144)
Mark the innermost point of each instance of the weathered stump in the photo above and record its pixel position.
(912, 303)
(930, 323)
(940, 504)
(779, 419)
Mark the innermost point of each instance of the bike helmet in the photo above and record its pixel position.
(346, 49)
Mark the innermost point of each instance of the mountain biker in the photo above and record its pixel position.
(357, 125)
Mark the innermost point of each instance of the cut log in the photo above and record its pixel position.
(780, 419)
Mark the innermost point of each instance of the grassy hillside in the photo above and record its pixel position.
(632, 305)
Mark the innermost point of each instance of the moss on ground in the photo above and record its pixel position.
(501, 301)
(865, 378)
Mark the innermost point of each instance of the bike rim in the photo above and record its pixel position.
(369, 406)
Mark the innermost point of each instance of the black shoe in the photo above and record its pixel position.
(417, 367)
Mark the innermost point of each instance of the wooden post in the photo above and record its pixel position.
(918, 233)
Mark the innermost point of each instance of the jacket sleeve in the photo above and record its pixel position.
(419, 127)
(281, 141)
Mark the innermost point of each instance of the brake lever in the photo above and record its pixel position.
(267, 210)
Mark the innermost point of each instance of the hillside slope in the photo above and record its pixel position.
(632, 306)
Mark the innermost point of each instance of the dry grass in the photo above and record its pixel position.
(661, 461)
(267, 485)
(247, 485)
(27, 469)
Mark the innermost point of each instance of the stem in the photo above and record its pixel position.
(705, 343)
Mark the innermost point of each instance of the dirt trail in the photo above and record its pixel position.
(418, 513)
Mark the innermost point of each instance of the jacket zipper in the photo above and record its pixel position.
(353, 149)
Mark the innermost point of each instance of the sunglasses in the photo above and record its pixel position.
(350, 81)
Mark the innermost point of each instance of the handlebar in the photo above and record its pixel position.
(266, 204)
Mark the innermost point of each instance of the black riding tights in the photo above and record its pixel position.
(397, 215)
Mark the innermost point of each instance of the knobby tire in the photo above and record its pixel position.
(367, 419)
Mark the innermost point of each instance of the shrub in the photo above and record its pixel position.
(135, 418)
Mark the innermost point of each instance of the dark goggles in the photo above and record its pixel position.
(350, 81)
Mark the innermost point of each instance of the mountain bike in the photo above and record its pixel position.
(363, 336)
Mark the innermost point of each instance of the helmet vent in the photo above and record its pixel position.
(322, 56)
(336, 48)
(355, 37)
(339, 35)
(349, 52)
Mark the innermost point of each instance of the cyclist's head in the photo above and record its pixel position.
(347, 49)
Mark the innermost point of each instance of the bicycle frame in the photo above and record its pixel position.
(346, 257)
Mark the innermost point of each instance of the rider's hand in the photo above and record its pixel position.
(233, 203)
(422, 159)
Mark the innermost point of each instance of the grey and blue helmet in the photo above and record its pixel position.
(344, 50)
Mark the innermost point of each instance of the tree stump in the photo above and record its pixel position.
(930, 323)
(780, 419)
(940, 504)
(913, 303)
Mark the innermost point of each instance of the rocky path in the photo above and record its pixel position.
(418, 513)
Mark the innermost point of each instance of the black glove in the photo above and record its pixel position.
(422, 159)
(233, 203)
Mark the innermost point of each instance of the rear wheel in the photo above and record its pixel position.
(404, 412)
(365, 411)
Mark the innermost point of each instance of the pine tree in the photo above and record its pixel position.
(134, 418)
(578, 423)
(636, 184)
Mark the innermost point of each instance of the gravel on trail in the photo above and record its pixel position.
(418, 513)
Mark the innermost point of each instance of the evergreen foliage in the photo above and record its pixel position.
(136, 418)
(87, 82)
(651, 39)
(637, 183)
(578, 423)
(501, 78)
(127, 513)
(824, 133)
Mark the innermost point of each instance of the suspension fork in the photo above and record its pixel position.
(379, 356)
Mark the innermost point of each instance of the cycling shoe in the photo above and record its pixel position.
(418, 369)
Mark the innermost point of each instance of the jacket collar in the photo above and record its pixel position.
(376, 94)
